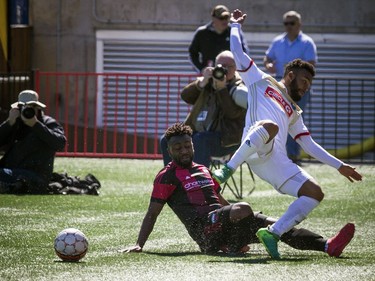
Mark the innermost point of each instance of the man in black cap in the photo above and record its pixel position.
(30, 140)
(211, 39)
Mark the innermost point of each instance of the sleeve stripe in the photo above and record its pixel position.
(244, 70)
(301, 134)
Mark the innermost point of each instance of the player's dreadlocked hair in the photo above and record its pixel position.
(178, 129)
(298, 64)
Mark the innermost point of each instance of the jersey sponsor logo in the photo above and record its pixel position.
(272, 93)
(199, 183)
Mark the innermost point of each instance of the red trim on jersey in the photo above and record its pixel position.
(244, 70)
(163, 191)
(301, 134)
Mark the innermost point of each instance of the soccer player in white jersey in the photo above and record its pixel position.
(272, 114)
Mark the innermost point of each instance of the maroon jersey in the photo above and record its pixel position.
(190, 192)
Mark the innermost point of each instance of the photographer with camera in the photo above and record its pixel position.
(219, 100)
(29, 140)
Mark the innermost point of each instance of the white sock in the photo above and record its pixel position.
(255, 139)
(296, 213)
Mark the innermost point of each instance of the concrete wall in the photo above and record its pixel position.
(64, 30)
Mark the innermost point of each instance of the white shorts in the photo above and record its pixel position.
(292, 185)
(278, 170)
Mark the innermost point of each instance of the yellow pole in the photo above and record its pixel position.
(350, 151)
(3, 28)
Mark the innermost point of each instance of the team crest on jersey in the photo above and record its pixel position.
(272, 93)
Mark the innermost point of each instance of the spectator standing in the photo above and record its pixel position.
(218, 113)
(30, 140)
(286, 47)
(211, 39)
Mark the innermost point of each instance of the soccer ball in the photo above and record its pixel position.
(71, 245)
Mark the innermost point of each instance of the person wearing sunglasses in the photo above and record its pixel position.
(290, 45)
(211, 39)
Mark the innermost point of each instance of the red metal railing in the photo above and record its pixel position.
(125, 114)
(113, 114)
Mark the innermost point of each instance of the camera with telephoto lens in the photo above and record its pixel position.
(219, 72)
(27, 112)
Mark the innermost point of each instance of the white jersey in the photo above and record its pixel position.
(269, 100)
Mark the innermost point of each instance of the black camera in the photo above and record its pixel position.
(219, 72)
(27, 112)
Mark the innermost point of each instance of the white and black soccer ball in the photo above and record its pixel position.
(71, 244)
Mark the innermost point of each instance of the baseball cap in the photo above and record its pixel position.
(220, 11)
(28, 97)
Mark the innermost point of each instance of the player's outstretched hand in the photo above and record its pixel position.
(238, 16)
(350, 173)
(132, 249)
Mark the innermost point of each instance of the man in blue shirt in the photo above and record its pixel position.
(290, 45)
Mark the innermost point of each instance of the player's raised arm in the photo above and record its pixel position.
(243, 61)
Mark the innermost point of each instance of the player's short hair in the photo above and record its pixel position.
(178, 129)
(299, 64)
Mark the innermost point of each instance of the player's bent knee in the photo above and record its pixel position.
(317, 194)
(312, 191)
(271, 127)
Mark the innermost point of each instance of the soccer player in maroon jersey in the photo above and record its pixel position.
(213, 223)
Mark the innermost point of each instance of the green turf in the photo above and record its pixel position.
(112, 220)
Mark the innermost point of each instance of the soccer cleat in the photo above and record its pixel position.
(337, 243)
(223, 174)
(269, 240)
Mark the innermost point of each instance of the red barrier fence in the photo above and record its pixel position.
(125, 114)
(113, 114)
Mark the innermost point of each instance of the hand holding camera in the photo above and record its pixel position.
(14, 113)
(217, 74)
(27, 112)
(219, 77)
(28, 115)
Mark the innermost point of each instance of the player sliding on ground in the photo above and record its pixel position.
(210, 220)
(273, 113)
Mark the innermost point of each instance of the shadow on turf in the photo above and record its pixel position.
(251, 260)
(175, 254)
(73, 262)
(245, 258)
